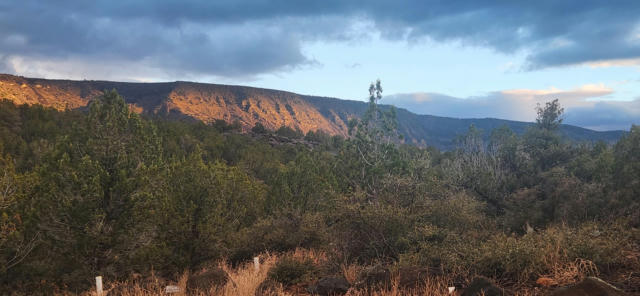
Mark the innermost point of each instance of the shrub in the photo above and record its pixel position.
(259, 128)
(287, 132)
(223, 126)
(535, 254)
(318, 136)
(459, 212)
(284, 232)
(520, 258)
(373, 232)
(290, 271)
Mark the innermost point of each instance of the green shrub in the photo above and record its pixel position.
(459, 212)
(602, 244)
(290, 271)
(285, 232)
(287, 132)
(520, 258)
(259, 128)
(449, 233)
(372, 232)
(526, 257)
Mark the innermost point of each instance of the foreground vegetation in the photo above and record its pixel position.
(108, 192)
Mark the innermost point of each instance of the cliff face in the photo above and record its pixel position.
(272, 108)
(206, 102)
(51, 93)
(248, 105)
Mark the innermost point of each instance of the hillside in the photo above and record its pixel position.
(248, 105)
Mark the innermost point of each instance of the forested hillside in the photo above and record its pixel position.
(248, 106)
(107, 191)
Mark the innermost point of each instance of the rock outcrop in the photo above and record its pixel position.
(330, 286)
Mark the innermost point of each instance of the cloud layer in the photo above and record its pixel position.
(584, 106)
(245, 38)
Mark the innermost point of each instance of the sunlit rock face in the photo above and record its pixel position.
(249, 106)
(205, 102)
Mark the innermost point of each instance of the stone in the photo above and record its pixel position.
(481, 286)
(329, 286)
(590, 286)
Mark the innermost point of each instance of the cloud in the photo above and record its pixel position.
(245, 38)
(615, 63)
(190, 48)
(584, 106)
(606, 115)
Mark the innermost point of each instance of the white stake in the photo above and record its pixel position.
(256, 263)
(171, 289)
(99, 286)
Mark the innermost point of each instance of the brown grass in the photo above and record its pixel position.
(317, 257)
(568, 273)
(436, 286)
(245, 280)
(350, 272)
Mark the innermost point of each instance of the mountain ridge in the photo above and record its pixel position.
(250, 105)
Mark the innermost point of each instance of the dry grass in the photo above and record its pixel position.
(568, 273)
(436, 286)
(245, 280)
(317, 257)
(351, 272)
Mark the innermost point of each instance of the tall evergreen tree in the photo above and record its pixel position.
(86, 186)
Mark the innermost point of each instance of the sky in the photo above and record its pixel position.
(466, 59)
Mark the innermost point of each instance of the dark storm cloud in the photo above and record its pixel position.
(236, 38)
(233, 50)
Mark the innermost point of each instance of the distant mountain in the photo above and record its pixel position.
(249, 105)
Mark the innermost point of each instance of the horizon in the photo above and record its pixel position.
(320, 96)
(461, 60)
